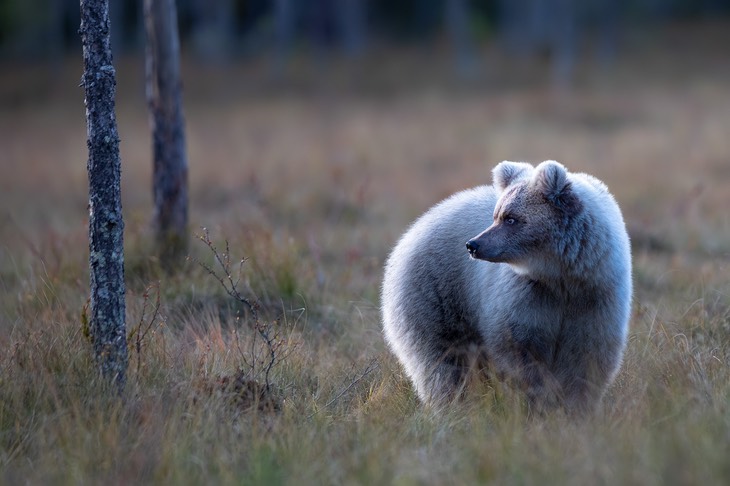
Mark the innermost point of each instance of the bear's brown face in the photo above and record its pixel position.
(523, 223)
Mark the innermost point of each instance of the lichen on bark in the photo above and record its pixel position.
(106, 225)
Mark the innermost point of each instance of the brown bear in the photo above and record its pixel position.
(543, 294)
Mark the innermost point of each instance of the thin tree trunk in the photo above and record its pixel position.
(214, 29)
(164, 99)
(563, 41)
(351, 16)
(284, 17)
(106, 226)
(457, 23)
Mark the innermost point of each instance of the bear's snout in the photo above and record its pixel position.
(472, 247)
(484, 247)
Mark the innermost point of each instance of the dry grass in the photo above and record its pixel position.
(313, 183)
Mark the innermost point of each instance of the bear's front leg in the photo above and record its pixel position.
(442, 367)
(524, 357)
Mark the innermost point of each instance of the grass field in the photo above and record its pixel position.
(312, 180)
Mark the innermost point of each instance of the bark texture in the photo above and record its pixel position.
(164, 99)
(106, 226)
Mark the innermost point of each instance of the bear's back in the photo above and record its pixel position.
(429, 276)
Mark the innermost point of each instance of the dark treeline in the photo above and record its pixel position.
(224, 29)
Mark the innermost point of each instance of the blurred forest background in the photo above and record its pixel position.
(232, 30)
(316, 131)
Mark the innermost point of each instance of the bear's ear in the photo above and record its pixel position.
(551, 179)
(505, 173)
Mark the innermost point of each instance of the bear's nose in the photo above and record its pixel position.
(472, 246)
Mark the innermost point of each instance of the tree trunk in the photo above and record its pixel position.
(214, 29)
(457, 23)
(170, 178)
(352, 17)
(284, 20)
(563, 41)
(106, 226)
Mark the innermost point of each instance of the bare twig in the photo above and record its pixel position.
(271, 340)
(141, 330)
(229, 285)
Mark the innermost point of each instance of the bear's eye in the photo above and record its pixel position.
(509, 221)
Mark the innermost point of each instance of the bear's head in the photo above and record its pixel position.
(534, 209)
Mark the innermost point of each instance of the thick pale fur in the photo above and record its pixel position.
(550, 317)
